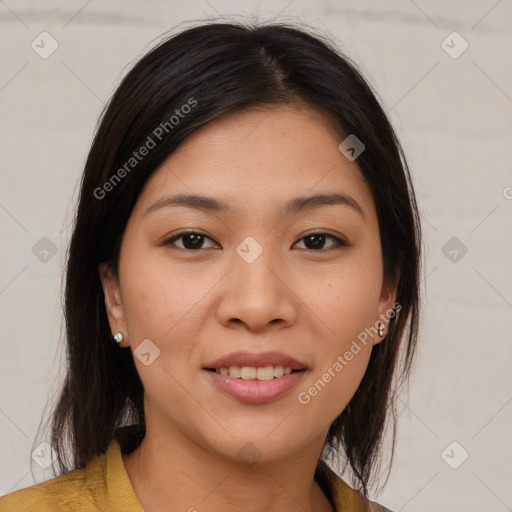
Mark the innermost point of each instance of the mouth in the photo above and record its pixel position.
(268, 372)
(263, 366)
(255, 378)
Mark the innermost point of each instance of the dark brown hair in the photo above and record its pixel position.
(223, 68)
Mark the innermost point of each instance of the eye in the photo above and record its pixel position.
(316, 241)
(191, 240)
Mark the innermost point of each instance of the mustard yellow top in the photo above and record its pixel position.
(105, 486)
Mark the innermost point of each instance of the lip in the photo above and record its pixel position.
(243, 358)
(255, 391)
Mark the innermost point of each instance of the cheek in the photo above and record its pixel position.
(341, 365)
(158, 296)
(347, 305)
(346, 300)
(162, 303)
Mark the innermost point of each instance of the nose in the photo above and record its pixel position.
(258, 295)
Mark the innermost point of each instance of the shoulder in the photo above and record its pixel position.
(353, 500)
(342, 495)
(78, 489)
(102, 485)
(59, 493)
(375, 507)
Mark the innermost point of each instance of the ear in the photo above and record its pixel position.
(113, 303)
(385, 308)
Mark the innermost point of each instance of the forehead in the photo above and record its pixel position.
(260, 155)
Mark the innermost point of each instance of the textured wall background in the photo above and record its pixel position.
(451, 106)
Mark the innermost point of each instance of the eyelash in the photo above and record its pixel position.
(339, 242)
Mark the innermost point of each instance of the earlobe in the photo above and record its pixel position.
(113, 303)
(386, 311)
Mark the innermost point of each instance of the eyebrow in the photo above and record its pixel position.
(293, 206)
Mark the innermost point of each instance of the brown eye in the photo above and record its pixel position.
(316, 241)
(190, 240)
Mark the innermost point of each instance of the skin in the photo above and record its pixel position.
(204, 303)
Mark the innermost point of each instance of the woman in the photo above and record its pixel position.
(242, 284)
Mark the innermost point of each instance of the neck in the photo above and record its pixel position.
(172, 472)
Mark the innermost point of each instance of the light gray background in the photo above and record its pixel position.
(453, 117)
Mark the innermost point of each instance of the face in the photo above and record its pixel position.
(255, 279)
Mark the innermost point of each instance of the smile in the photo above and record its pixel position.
(254, 373)
(251, 390)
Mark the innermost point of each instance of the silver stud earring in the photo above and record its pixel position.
(382, 329)
(119, 337)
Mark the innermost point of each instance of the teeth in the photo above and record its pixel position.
(265, 373)
(278, 371)
(252, 373)
(234, 371)
(248, 372)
